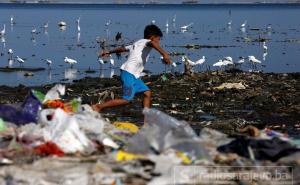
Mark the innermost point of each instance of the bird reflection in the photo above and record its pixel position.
(63, 28)
(112, 72)
(78, 37)
(71, 73)
(49, 75)
(3, 41)
(10, 63)
(265, 55)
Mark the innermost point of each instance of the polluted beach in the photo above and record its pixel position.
(152, 92)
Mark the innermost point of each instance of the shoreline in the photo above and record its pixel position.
(157, 5)
(268, 99)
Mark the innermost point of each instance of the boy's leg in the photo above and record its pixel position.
(109, 104)
(147, 99)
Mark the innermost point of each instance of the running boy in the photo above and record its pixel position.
(131, 70)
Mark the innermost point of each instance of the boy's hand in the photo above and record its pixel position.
(104, 54)
(166, 59)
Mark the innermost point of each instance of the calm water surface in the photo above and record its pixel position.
(209, 28)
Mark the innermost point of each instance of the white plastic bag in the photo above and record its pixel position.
(55, 92)
(65, 132)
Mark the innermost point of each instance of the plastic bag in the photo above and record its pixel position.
(55, 93)
(65, 132)
(20, 115)
(163, 132)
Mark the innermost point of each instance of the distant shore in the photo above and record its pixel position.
(141, 3)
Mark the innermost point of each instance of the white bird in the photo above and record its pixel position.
(228, 58)
(20, 60)
(174, 19)
(108, 23)
(174, 64)
(227, 61)
(62, 23)
(33, 31)
(48, 62)
(201, 60)
(198, 62)
(2, 32)
(244, 24)
(265, 47)
(101, 61)
(70, 61)
(220, 63)
(229, 23)
(10, 51)
(253, 60)
(153, 22)
(12, 20)
(269, 27)
(46, 25)
(112, 61)
(186, 26)
(241, 60)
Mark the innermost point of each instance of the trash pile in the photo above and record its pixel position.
(47, 140)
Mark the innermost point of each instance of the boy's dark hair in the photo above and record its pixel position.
(152, 30)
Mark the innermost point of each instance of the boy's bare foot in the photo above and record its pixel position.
(97, 107)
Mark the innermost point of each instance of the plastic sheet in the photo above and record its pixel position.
(163, 132)
(20, 115)
(65, 132)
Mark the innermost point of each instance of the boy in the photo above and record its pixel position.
(131, 70)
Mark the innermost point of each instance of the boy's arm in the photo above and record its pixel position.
(164, 54)
(116, 50)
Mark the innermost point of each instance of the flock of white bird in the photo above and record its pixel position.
(224, 62)
(20, 60)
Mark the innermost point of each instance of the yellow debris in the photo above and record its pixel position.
(124, 156)
(126, 126)
(185, 159)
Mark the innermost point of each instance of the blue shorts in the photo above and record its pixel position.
(131, 85)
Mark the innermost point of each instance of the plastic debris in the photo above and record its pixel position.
(126, 126)
(89, 149)
(125, 156)
(2, 125)
(163, 132)
(55, 93)
(65, 132)
(20, 115)
(49, 149)
(239, 85)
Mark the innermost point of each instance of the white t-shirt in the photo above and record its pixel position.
(138, 56)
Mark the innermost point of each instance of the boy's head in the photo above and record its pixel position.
(152, 31)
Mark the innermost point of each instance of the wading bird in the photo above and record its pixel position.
(186, 26)
(49, 63)
(10, 53)
(78, 24)
(70, 61)
(20, 60)
(253, 61)
(244, 24)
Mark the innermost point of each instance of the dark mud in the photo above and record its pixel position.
(14, 69)
(269, 100)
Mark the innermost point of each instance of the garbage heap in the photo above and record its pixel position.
(47, 140)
